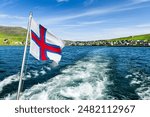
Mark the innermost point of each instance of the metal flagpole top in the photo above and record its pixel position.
(31, 14)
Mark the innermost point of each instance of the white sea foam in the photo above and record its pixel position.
(30, 74)
(47, 68)
(42, 71)
(144, 92)
(8, 80)
(35, 73)
(135, 81)
(87, 79)
(143, 89)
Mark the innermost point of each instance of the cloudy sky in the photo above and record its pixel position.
(81, 19)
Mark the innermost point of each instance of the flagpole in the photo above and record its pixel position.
(24, 57)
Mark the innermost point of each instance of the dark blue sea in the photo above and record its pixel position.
(84, 73)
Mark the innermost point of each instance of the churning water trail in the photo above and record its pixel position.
(86, 79)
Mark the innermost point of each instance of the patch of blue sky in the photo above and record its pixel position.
(81, 19)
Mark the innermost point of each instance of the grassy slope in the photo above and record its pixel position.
(14, 35)
(145, 37)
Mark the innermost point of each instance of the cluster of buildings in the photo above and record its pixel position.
(110, 43)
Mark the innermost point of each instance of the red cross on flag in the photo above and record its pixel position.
(44, 45)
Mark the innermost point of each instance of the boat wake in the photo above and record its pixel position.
(86, 79)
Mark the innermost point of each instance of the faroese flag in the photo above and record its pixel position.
(44, 45)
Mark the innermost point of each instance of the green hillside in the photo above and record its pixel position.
(145, 37)
(12, 35)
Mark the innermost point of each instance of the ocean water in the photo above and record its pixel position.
(84, 73)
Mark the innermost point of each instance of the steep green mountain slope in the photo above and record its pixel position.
(12, 35)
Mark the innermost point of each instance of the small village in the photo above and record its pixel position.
(110, 43)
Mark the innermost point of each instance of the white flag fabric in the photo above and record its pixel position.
(44, 45)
